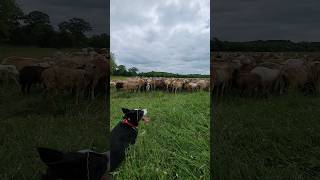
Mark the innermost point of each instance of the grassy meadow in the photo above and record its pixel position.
(27, 122)
(33, 52)
(30, 121)
(267, 139)
(175, 143)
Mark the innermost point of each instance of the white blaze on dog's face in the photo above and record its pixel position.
(144, 111)
(144, 118)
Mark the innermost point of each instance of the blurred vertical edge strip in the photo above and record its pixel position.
(211, 94)
(107, 107)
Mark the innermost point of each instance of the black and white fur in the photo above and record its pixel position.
(81, 165)
(124, 134)
(90, 165)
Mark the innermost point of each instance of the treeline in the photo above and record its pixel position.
(35, 29)
(121, 70)
(265, 46)
(166, 74)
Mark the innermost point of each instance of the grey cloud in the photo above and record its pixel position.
(260, 19)
(166, 35)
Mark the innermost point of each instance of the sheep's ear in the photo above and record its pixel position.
(49, 156)
(125, 110)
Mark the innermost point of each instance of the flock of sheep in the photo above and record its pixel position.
(160, 83)
(263, 74)
(82, 73)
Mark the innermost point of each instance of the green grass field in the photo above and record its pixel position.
(266, 139)
(175, 143)
(27, 122)
(32, 52)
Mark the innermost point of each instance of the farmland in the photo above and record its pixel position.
(175, 143)
(273, 138)
(267, 133)
(30, 121)
(33, 120)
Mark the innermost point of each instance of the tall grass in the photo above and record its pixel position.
(175, 144)
(266, 139)
(30, 121)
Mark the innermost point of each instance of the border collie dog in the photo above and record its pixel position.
(124, 134)
(81, 165)
(90, 165)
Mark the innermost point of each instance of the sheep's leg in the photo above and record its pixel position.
(28, 87)
(77, 95)
(23, 86)
(15, 81)
(222, 89)
(92, 91)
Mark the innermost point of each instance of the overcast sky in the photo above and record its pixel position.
(161, 35)
(244, 20)
(93, 11)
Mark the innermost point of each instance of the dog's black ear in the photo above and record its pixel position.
(125, 110)
(49, 156)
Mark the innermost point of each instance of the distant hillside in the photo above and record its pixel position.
(265, 46)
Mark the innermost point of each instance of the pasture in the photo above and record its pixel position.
(33, 52)
(175, 143)
(273, 138)
(29, 121)
(266, 123)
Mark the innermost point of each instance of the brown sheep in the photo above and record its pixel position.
(314, 75)
(191, 86)
(98, 69)
(247, 83)
(20, 62)
(269, 78)
(223, 77)
(8, 73)
(177, 85)
(203, 84)
(60, 78)
(294, 74)
(131, 86)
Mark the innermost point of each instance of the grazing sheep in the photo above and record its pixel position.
(30, 75)
(8, 73)
(60, 78)
(20, 62)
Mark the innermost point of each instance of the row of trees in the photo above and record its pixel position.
(265, 46)
(35, 29)
(122, 70)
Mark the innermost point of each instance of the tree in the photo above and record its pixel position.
(77, 27)
(133, 71)
(36, 18)
(99, 41)
(121, 70)
(10, 14)
(113, 64)
(38, 28)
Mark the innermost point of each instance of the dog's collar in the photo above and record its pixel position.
(125, 121)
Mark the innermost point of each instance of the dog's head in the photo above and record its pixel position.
(134, 115)
(73, 165)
